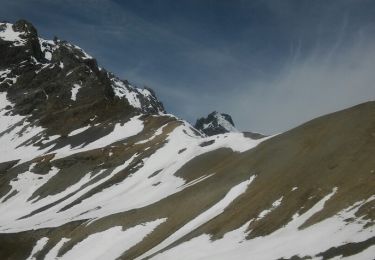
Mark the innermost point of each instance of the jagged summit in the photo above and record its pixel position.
(18, 42)
(55, 81)
(216, 123)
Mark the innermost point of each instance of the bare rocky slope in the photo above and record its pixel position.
(92, 167)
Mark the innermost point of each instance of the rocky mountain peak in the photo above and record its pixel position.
(216, 123)
(54, 81)
(26, 28)
(18, 42)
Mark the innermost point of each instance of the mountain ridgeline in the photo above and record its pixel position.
(91, 167)
(53, 80)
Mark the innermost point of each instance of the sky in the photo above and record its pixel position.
(271, 65)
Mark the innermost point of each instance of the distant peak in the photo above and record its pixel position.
(216, 123)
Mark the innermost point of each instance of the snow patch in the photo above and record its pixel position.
(75, 89)
(264, 213)
(127, 92)
(79, 130)
(9, 35)
(38, 247)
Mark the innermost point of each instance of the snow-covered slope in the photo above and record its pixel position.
(90, 168)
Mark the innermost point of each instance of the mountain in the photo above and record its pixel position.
(215, 123)
(92, 167)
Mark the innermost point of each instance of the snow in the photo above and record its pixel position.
(224, 123)
(16, 143)
(111, 243)
(47, 47)
(284, 242)
(235, 141)
(4, 75)
(9, 35)
(75, 89)
(15, 207)
(52, 254)
(14, 132)
(4, 72)
(38, 247)
(275, 204)
(114, 199)
(158, 132)
(48, 55)
(120, 132)
(10, 221)
(127, 92)
(145, 92)
(85, 55)
(79, 130)
(220, 119)
(204, 217)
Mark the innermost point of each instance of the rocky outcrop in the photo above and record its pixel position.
(18, 42)
(215, 123)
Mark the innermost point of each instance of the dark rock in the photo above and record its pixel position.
(215, 123)
(11, 53)
(42, 75)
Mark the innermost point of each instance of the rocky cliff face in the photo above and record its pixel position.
(60, 85)
(91, 168)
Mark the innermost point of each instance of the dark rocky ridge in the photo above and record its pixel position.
(39, 77)
(12, 55)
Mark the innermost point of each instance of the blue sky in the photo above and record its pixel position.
(270, 64)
